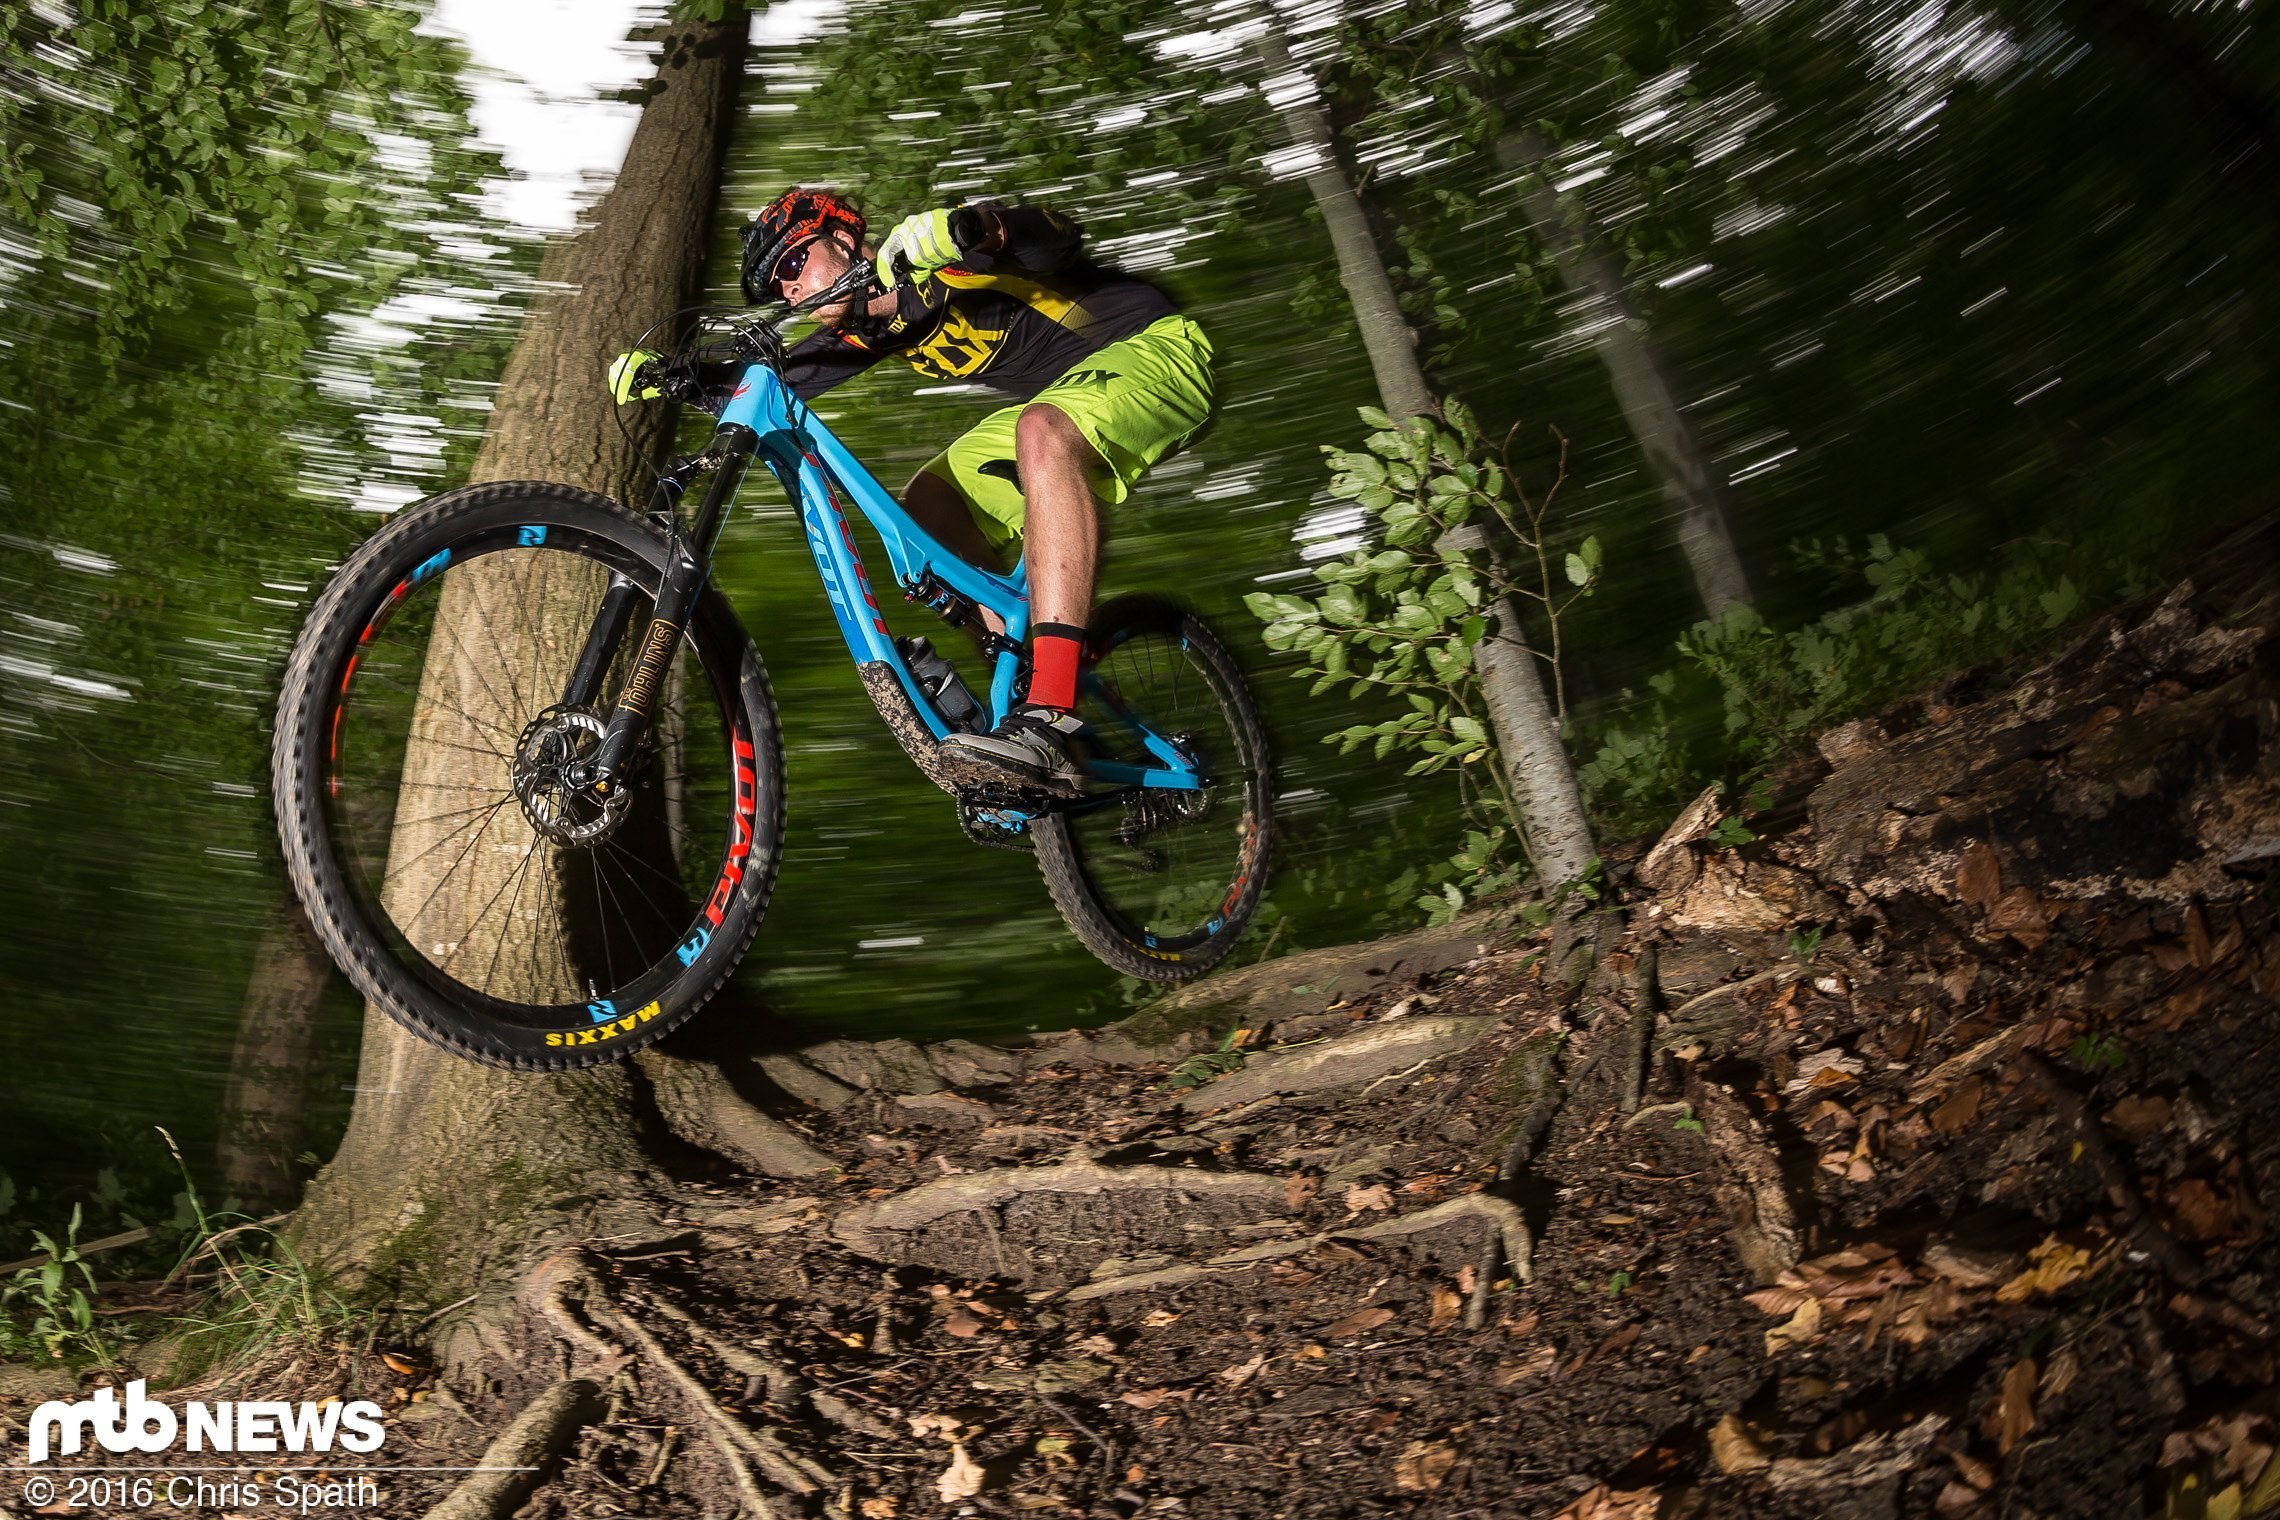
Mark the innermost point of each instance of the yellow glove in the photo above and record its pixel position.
(625, 371)
(923, 241)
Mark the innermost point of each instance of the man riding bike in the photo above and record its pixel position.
(1107, 378)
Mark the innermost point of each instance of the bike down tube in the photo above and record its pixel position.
(688, 561)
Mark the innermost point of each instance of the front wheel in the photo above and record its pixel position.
(448, 686)
(1160, 878)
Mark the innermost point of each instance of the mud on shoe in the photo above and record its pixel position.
(1032, 747)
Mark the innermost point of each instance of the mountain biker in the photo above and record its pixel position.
(1106, 376)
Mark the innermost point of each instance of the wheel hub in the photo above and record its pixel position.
(552, 760)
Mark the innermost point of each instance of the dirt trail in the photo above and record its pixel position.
(1912, 1160)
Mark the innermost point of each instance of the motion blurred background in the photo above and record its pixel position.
(1968, 304)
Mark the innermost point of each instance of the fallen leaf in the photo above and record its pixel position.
(1733, 1448)
(1954, 1116)
(1447, 1305)
(1361, 1322)
(1978, 876)
(882, 1508)
(1299, 1189)
(2200, 1212)
(1159, 1317)
(962, 1479)
(1969, 1266)
(1375, 1196)
(402, 1366)
(2138, 1119)
(1955, 1499)
(1236, 1376)
(1974, 1472)
(2015, 1408)
(2056, 1264)
(2020, 914)
(1803, 1328)
(1604, 1503)
(1423, 1464)
(962, 1324)
(1149, 1398)
(1535, 1364)
(943, 1425)
(1309, 1352)
(1466, 1277)
(2197, 942)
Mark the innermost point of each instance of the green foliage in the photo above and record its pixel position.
(49, 1308)
(2096, 1053)
(1688, 1123)
(1804, 944)
(1617, 1282)
(1771, 689)
(1210, 1065)
(1401, 623)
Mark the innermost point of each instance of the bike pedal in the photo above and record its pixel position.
(1000, 817)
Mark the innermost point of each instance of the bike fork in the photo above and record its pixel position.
(688, 561)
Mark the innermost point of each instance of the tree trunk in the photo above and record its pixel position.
(265, 1108)
(1527, 736)
(451, 1171)
(1640, 375)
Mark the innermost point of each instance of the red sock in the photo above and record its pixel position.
(1053, 651)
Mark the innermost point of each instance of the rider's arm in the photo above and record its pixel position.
(824, 358)
(1033, 239)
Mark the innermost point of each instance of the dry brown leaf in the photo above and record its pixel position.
(1733, 1448)
(884, 1507)
(2181, 1006)
(1310, 1352)
(943, 1425)
(1604, 1503)
(1375, 1196)
(1447, 1305)
(2138, 1119)
(1535, 1364)
(1361, 1322)
(1803, 1328)
(2201, 1212)
(962, 1479)
(1158, 1318)
(1969, 1266)
(402, 1366)
(2015, 1408)
(2020, 914)
(1423, 1464)
(1149, 1398)
(2197, 942)
(1974, 1472)
(961, 1323)
(1466, 1277)
(1242, 1372)
(1299, 1189)
(1954, 1116)
(1956, 1499)
(1978, 876)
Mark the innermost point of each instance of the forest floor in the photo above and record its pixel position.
(1913, 1159)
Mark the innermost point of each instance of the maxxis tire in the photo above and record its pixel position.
(313, 676)
(1059, 858)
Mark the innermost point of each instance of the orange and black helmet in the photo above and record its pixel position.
(788, 221)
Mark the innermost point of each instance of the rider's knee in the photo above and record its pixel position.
(1044, 433)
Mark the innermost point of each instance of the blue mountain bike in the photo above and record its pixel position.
(527, 767)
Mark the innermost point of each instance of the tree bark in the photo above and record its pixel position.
(265, 1108)
(1527, 735)
(1640, 375)
(451, 1171)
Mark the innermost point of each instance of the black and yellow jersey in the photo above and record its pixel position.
(1014, 315)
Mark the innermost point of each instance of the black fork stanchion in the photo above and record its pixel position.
(687, 563)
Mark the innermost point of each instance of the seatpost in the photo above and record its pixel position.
(688, 561)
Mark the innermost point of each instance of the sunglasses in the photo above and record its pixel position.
(789, 266)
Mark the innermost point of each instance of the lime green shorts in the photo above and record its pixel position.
(1135, 401)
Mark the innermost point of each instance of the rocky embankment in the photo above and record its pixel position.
(1915, 1159)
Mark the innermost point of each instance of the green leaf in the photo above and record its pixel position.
(1578, 570)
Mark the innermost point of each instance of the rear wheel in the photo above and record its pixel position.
(1160, 881)
(425, 769)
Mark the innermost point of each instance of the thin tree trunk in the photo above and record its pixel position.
(450, 1170)
(1527, 735)
(1640, 375)
(266, 1105)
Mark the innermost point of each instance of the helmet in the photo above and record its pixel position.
(786, 222)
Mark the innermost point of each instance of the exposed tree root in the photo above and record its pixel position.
(871, 1229)
(697, 1101)
(512, 1465)
(1763, 1223)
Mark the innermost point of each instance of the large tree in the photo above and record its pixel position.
(452, 1174)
